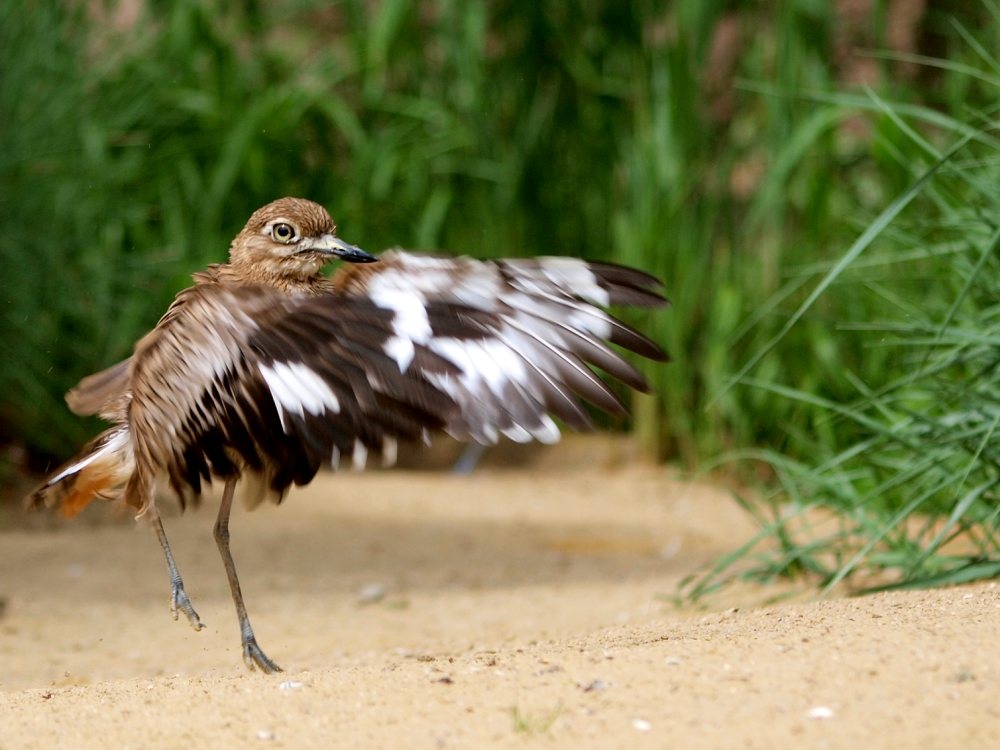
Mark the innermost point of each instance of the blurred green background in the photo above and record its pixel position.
(734, 149)
(136, 138)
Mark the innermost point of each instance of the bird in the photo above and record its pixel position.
(265, 370)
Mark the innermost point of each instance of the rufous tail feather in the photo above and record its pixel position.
(99, 471)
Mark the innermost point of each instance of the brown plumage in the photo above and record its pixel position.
(265, 371)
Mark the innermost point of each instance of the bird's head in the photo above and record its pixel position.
(291, 238)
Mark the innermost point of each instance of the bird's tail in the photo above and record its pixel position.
(99, 471)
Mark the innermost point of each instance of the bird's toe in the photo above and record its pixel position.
(257, 659)
(179, 602)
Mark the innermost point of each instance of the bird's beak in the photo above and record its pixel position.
(335, 246)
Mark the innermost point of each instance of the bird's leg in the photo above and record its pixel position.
(178, 597)
(252, 655)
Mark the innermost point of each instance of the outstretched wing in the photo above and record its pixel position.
(246, 377)
(546, 329)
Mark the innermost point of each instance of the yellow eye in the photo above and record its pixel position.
(283, 232)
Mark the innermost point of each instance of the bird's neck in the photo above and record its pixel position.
(244, 274)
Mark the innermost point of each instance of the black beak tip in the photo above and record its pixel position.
(357, 255)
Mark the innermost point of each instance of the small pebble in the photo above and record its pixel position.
(371, 593)
(820, 712)
(265, 734)
(670, 549)
(289, 685)
(641, 724)
(673, 661)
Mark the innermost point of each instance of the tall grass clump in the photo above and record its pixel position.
(912, 498)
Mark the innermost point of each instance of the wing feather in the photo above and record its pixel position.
(247, 378)
(104, 393)
(538, 326)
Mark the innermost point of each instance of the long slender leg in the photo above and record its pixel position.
(252, 655)
(178, 598)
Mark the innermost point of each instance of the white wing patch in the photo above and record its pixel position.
(390, 450)
(571, 312)
(400, 349)
(549, 433)
(296, 389)
(571, 274)
(548, 328)
(360, 456)
(492, 371)
(394, 291)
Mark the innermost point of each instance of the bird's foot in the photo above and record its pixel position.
(179, 602)
(257, 659)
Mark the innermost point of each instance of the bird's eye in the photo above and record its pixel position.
(283, 232)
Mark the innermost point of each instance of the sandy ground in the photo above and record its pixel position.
(507, 609)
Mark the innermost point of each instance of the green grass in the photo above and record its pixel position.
(911, 496)
(535, 722)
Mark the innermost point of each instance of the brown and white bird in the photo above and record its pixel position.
(265, 370)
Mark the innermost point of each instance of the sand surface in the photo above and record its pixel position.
(511, 608)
